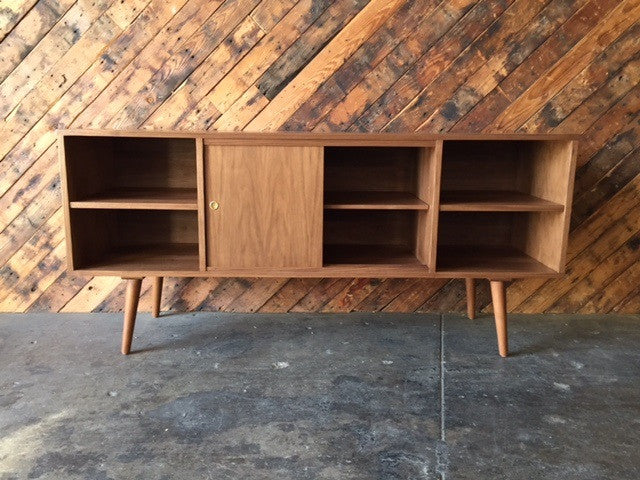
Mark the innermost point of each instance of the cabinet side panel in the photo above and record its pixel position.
(551, 170)
(428, 190)
(64, 184)
(539, 235)
(544, 235)
(269, 206)
(572, 154)
(200, 182)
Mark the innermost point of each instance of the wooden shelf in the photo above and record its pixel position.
(373, 201)
(142, 199)
(179, 257)
(478, 261)
(494, 201)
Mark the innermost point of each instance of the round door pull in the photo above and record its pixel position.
(213, 205)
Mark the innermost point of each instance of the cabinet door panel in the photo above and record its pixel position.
(269, 206)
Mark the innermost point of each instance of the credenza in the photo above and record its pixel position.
(184, 204)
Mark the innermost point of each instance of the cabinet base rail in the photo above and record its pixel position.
(498, 298)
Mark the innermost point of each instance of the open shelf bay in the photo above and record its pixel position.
(478, 260)
(179, 257)
(372, 260)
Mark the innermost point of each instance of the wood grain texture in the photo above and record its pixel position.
(500, 312)
(470, 287)
(462, 66)
(266, 207)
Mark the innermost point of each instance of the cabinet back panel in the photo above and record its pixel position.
(370, 227)
(135, 227)
(465, 228)
(155, 163)
(370, 169)
(89, 165)
(534, 233)
(472, 165)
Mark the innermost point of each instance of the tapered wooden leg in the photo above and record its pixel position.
(471, 297)
(130, 310)
(157, 295)
(500, 312)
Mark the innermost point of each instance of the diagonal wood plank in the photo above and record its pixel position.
(616, 22)
(11, 14)
(354, 74)
(291, 97)
(479, 65)
(67, 31)
(405, 93)
(18, 39)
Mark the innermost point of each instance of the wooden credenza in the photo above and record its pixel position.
(157, 204)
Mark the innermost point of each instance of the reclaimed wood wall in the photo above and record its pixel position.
(319, 65)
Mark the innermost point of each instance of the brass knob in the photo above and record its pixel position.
(213, 205)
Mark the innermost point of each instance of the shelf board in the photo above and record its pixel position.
(167, 257)
(373, 201)
(371, 260)
(480, 261)
(494, 201)
(142, 199)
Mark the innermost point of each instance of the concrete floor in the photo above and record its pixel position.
(220, 396)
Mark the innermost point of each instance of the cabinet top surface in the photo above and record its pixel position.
(319, 138)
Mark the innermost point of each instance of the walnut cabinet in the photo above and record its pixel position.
(155, 204)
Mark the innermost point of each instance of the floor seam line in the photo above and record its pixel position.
(442, 423)
(442, 449)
